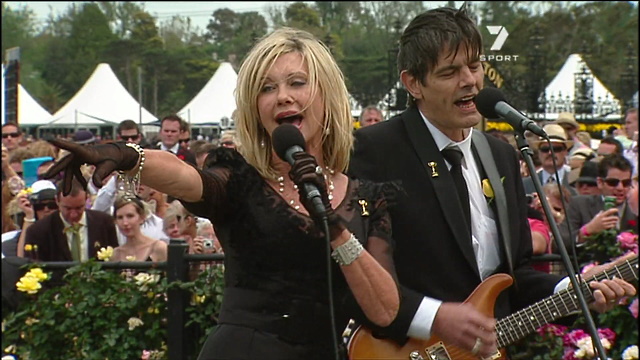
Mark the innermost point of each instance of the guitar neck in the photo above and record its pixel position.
(563, 303)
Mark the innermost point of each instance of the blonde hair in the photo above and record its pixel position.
(325, 78)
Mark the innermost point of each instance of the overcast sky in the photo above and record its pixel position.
(199, 11)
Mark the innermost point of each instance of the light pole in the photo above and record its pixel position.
(536, 92)
(583, 95)
(628, 80)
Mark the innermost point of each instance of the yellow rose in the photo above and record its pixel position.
(105, 253)
(130, 258)
(28, 284)
(25, 191)
(487, 190)
(38, 274)
(28, 247)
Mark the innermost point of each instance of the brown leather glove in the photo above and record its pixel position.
(303, 171)
(105, 157)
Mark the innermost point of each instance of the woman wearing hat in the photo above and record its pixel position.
(36, 205)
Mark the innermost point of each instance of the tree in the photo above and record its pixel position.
(233, 34)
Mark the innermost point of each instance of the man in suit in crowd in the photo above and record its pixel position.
(171, 128)
(445, 247)
(560, 146)
(72, 233)
(586, 215)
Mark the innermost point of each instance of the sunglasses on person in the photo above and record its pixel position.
(184, 141)
(556, 149)
(13, 135)
(51, 205)
(130, 137)
(227, 143)
(614, 182)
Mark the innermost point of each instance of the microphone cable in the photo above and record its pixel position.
(334, 334)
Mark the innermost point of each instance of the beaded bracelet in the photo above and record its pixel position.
(131, 184)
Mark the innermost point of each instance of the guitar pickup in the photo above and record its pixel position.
(438, 351)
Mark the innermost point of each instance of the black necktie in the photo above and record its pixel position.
(454, 156)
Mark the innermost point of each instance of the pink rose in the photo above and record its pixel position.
(628, 241)
(634, 308)
(572, 338)
(607, 334)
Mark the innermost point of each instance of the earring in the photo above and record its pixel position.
(327, 131)
(262, 145)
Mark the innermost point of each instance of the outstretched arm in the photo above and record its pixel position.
(161, 170)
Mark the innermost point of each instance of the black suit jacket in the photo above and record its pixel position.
(433, 253)
(582, 209)
(47, 233)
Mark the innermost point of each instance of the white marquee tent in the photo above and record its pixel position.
(102, 100)
(215, 103)
(560, 92)
(30, 113)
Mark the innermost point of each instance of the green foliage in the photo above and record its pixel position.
(92, 315)
(547, 343)
(58, 57)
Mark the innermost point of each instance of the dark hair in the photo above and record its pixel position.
(431, 33)
(12, 123)
(613, 141)
(127, 125)
(76, 188)
(172, 117)
(612, 161)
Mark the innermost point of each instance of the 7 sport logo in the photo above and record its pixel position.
(500, 39)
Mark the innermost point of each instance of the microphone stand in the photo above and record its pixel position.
(527, 155)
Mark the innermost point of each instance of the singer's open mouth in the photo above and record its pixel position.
(466, 102)
(295, 119)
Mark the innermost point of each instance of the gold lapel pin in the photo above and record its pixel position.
(364, 205)
(433, 165)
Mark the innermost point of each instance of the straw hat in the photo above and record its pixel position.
(556, 135)
(565, 118)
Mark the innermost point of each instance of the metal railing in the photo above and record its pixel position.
(177, 269)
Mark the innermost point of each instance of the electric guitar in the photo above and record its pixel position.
(363, 345)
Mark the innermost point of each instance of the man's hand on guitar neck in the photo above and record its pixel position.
(607, 293)
(461, 325)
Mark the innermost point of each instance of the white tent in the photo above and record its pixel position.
(102, 100)
(560, 92)
(29, 111)
(215, 103)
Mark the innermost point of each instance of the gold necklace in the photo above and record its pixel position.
(327, 179)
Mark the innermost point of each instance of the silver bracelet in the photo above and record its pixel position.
(131, 184)
(348, 252)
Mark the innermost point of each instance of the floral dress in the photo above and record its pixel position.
(276, 298)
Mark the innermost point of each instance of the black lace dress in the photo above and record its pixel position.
(275, 303)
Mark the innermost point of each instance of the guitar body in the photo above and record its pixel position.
(364, 346)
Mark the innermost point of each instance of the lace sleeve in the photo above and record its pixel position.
(380, 242)
(220, 169)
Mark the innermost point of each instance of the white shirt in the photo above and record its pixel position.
(174, 149)
(561, 174)
(84, 236)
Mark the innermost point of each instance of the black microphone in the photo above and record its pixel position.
(288, 140)
(492, 104)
